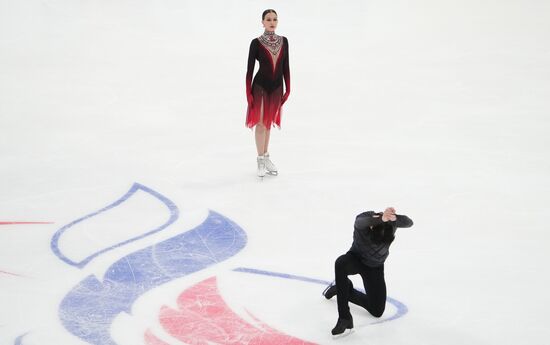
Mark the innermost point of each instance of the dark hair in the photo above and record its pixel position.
(266, 12)
(382, 233)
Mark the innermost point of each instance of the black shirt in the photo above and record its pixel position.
(374, 254)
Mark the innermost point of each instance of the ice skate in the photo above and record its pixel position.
(342, 326)
(270, 168)
(330, 291)
(261, 166)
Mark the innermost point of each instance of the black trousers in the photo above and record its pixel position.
(374, 301)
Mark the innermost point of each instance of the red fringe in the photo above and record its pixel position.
(272, 108)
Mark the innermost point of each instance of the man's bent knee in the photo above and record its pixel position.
(378, 311)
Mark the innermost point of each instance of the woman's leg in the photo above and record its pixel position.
(266, 143)
(260, 134)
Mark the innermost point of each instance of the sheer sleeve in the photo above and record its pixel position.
(252, 55)
(286, 68)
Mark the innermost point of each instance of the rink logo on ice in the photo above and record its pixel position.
(203, 317)
(138, 198)
(90, 308)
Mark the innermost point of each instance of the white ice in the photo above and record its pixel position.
(438, 108)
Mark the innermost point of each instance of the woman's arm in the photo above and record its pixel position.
(286, 72)
(252, 53)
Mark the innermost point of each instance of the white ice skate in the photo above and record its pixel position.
(270, 168)
(261, 166)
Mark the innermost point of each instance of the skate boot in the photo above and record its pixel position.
(330, 291)
(270, 168)
(342, 325)
(261, 166)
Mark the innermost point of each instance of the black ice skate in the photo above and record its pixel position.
(330, 291)
(342, 325)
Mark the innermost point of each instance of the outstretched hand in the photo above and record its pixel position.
(389, 215)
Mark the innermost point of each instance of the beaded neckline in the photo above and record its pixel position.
(272, 42)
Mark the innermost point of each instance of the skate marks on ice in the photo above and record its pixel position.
(25, 223)
(13, 274)
(19, 339)
(89, 308)
(137, 199)
(202, 317)
(400, 308)
(10, 274)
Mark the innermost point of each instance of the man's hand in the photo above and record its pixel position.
(389, 215)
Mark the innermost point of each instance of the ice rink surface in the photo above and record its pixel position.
(122, 130)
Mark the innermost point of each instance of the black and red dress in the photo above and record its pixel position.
(265, 92)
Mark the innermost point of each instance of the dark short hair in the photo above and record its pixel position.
(266, 12)
(382, 233)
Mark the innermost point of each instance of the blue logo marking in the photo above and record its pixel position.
(173, 209)
(89, 309)
(401, 308)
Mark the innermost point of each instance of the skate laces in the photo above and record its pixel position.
(268, 163)
(261, 161)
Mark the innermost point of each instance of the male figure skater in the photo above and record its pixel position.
(373, 233)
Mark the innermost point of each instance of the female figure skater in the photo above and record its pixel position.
(373, 233)
(265, 94)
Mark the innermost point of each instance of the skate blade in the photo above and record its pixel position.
(272, 173)
(346, 333)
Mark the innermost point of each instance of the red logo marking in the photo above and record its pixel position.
(204, 318)
(18, 223)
